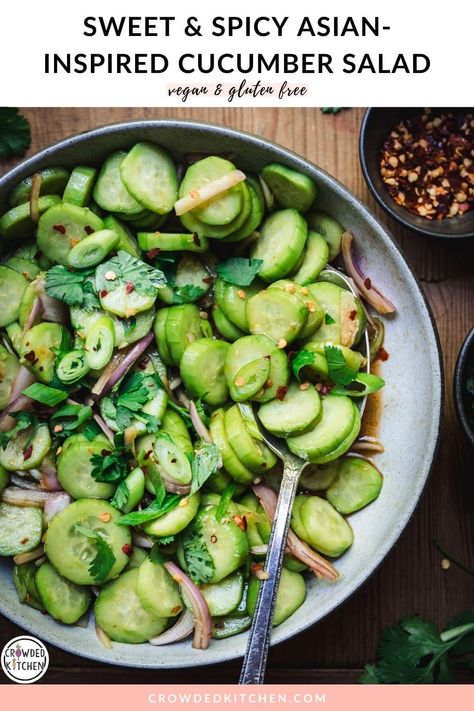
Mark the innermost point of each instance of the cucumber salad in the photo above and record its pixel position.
(152, 312)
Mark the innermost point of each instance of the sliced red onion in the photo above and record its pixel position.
(17, 400)
(182, 629)
(49, 476)
(139, 539)
(40, 561)
(294, 545)
(27, 497)
(367, 444)
(53, 310)
(35, 313)
(84, 620)
(105, 429)
(259, 550)
(19, 479)
(29, 556)
(35, 474)
(175, 383)
(202, 617)
(183, 398)
(267, 194)
(7, 345)
(364, 284)
(54, 506)
(103, 638)
(120, 365)
(34, 197)
(198, 424)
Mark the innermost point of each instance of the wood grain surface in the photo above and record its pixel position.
(411, 579)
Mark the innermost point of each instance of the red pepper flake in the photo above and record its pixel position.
(367, 283)
(88, 230)
(326, 388)
(143, 363)
(196, 240)
(353, 314)
(127, 548)
(382, 354)
(129, 288)
(104, 452)
(31, 357)
(176, 609)
(152, 253)
(219, 625)
(60, 228)
(24, 541)
(103, 293)
(208, 280)
(27, 452)
(281, 392)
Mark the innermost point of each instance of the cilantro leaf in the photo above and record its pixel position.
(226, 498)
(414, 652)
(101, 565)
(239, 270)
(166, 540)
(328, 319)
(109, 466)
(205, 462)
(91, 430)
(73, 288)
(199, 561)
(121, 495)
(15, 135)
(24, 420)
(187, 294)
(339, 372)
(156, 556)
(301, 359)
(126, 404)
(156, 509)
(146, 279)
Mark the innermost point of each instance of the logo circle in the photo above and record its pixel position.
(24, 659)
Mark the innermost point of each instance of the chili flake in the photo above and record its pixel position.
(60, 228)
(88, 230)
(27, 452)
(281, 392)
(129, 288)
(127, 548)
(382, 354)
(152, 253)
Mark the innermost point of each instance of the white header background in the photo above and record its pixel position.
(33, 28)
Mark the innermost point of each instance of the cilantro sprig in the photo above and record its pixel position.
(15, 136)
(104, 559)
(239, 270)
(199, 561)
(126, 404)
(146, 279)
(24, 421)
(339, 371)
(155, 510)
(73, 288)
(300, 361)
(205, 462)
(109, 466)
(414, 652)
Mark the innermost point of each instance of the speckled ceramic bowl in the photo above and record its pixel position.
(412, 399)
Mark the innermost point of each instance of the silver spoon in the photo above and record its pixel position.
(258, 643)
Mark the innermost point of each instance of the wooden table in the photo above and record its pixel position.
(411, 580)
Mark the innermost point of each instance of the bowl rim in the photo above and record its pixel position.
(458, 381)
(384, 200)
(25, 168)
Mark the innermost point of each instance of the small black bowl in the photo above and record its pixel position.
(375, 127)
(461, 399)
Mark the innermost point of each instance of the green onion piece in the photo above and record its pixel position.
(45, 394)
(226, 498)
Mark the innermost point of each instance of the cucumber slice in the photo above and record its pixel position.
(222, 209)
(226, 542)
(357, 484)
(278, 314)
(16, 225)
(53, 181)
(336, 423)
(232, 463)
(63, 600)
(149, 174)
(175, 520)
(36, 349)
(62, 226)
(159, 329)
(299, 411)
(24, 580)
(223, 627)
(93, 249)
(353, 319)
(22, 528)
(247, 350)
(225, 327)
(110, 192)
(233, 301)
(12, 287)
(202, 370)
(79, 186)
(319, 524)
(172, 460)
(15, 334)
(329, 228)
(26, 267)
(72, 553)
(328, 296)
(119, 612)
(170, 242)
(281, 243)
(174, 424)
(254, 454)
(222, 598)
(130, 330)
(9, 366)
(26, 450)
(26, 304)
(182, 327)
(250, 379)
(127, 242)
(346, 443)
(136, 559)
(315, 314)
(315, 259)
(290, 187)
(192, 223)
(317, 477)
(99, 345)
(290, 596)
(135, 483)
(75, 469)
(4, 479)
(157, 591)
(190, 272)
(121, 301)
(253, 220)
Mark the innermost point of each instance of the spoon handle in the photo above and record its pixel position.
(255, 660)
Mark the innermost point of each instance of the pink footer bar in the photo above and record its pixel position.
(272, 696)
